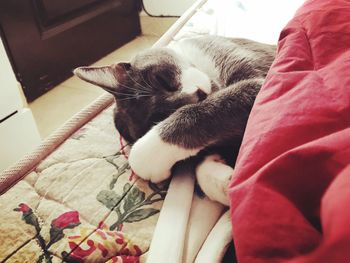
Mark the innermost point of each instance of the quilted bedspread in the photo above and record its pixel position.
(290, 196)
(81, 204)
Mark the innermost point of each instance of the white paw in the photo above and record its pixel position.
(152, 159)
(213, 176)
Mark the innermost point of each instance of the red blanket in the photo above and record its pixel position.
(290, 197)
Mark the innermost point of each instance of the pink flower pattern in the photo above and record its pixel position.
(102, 246)
(66, 220)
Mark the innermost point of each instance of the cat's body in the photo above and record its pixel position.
(193, 98)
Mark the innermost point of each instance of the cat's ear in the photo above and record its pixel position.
(107, 77)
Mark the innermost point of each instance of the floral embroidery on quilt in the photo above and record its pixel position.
(102, 243)
(130, 204)
(107, 243)
(82, 203)
(104, 246)
(64, 221)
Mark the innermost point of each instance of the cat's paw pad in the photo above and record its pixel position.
(213, 176)
(152, 159)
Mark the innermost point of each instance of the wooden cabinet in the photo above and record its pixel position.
(47, 39)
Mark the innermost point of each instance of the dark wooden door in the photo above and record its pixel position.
(46, 39)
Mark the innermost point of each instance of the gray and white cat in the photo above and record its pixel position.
(191, 99)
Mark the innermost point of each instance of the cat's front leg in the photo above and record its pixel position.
(191, 128)
(152, 158)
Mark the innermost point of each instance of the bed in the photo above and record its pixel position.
(75, 198)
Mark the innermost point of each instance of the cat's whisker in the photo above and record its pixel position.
(135, 90)
(123, 94)
(142, 96)
(146, 82)
(128, 98)
(142, 87)
(134, 97)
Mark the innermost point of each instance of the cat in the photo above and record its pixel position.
(190, 99)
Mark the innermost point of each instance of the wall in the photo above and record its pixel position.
(167, 7)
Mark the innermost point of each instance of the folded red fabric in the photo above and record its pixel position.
(290, 196)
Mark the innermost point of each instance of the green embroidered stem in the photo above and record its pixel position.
(41, 242)
(134, 213)
(121, 171)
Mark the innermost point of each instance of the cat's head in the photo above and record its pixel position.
(152, 86)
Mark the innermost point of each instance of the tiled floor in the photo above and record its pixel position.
(56, 106)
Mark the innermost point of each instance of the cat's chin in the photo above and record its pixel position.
(151, 158)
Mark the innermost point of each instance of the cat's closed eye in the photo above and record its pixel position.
(165, 83)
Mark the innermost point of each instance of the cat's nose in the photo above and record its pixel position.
(201, 94)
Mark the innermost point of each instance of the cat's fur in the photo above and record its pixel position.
(193, 98)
